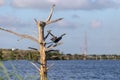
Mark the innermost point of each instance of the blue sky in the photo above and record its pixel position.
(100, 19)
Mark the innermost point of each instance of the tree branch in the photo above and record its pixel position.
(52, 46)
(21, 35)
(33, 48)
(51, 12)
(35, 20)
(53, 21)
(47, 34)
(35, 66)
(50, 66)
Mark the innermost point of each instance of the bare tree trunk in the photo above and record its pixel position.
(43, 66)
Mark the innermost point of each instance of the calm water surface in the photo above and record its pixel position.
(67, 70)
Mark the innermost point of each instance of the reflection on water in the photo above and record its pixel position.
(68, 70)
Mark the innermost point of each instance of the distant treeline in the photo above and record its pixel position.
(9, 54)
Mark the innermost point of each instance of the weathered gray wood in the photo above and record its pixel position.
(21, 35)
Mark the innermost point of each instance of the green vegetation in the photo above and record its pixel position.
(6, 75)
(3, 72)
(9, 54)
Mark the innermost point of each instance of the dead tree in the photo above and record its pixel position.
(41, 42)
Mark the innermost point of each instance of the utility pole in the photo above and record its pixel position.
(85, 47)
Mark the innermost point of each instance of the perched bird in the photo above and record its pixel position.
(57, 39)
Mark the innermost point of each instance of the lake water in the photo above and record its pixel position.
(67, 70)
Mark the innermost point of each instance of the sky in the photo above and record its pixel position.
(99, 20)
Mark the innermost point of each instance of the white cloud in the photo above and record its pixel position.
(61, 4)
(66, 24)
(103, 4)
(70, 4)
(67, 4)
(7, 21)
(117, 1)
(2, 2)
(30, 3)
(96, 23)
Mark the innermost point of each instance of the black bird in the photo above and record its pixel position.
(57, 39)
